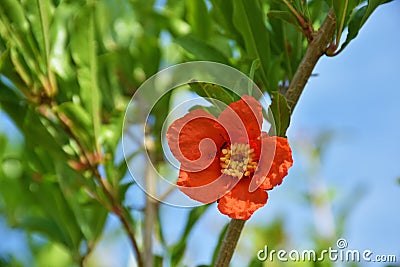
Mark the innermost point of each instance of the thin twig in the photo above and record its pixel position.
(116, 208)
(150, 209)
(120, 212)
(315, 50)
(229, 243)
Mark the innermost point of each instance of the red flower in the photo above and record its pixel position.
(229, 158)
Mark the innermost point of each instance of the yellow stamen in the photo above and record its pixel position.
(237, 160)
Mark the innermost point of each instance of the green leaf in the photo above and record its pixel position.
(215, 94)
(61, 222)
(255, 262)
(354, 26)
(317, 10)
(60, 56)
(178, 250)
(17, 74)
(358, 19)
(21, 67)
(343, 9)
(39, 15)
(281, 114)
(340, 8)
(78, 120)
(222, 12)
(44, 226)
(283, 15)
(150, 54)
(211, 109)
(197, 16)
(76, 113)
(9, 96)
(200, 49)
(37, 135)
(15, 12)
(90, 215)
(372, 5)
(3, 145)
(158, 261)
(248, 19)
(16, 29)
(83, 46)
(160, 115)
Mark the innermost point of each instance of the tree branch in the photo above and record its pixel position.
(314, 51)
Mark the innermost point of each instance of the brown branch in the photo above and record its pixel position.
(229, 243)
(315, 50)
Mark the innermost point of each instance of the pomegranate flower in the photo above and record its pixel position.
(229, 159)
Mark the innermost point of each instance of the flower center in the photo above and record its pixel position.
(237, 161)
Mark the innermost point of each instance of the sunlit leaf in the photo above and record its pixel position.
(84, 55)
(248, 19)
(215, 94)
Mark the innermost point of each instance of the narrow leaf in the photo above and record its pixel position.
(358, 19)
(215, 94)
(283, 15)
(84, 54)
(248, 19)
(281, 114)
(200, 49)
(198, 18)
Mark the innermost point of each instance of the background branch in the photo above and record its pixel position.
(315, 50)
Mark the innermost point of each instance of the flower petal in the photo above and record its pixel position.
(239, 203)
(274, 163)
(195, 139)
(207, 185)
(242, 119)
